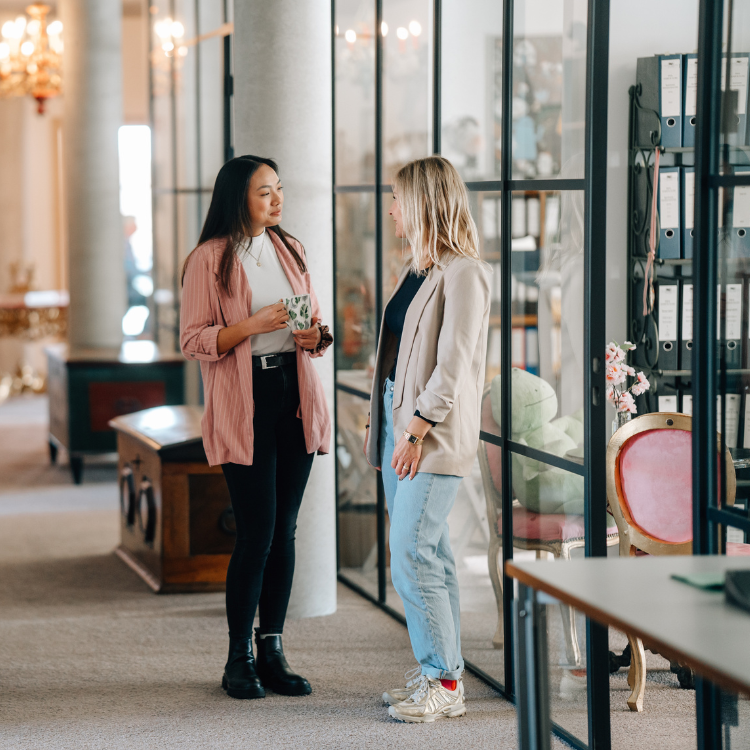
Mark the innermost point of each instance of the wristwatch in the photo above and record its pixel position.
(413, 439)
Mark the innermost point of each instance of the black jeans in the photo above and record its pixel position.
(266, 498)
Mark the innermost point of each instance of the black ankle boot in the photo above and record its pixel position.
(273, 669)
(240, 678)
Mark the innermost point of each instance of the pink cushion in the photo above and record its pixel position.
(656, 482)
(737, 549)
(547, 527)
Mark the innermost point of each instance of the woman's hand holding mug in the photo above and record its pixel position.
(310, 338)
(268, 319)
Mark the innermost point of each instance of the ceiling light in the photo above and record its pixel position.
(402, 33)
(415, 27)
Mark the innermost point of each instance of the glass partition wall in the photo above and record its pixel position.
(190, 86)
(720, 374)
(505, 91)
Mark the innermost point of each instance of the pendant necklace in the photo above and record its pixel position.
(260, 252)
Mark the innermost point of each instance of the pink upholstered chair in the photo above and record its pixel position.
(650, 494)
(540, 532)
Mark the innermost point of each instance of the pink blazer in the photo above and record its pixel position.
(227, 423)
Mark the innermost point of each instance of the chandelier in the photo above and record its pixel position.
(31, 56)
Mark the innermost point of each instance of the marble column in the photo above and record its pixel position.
(92, 79)
(282, 110)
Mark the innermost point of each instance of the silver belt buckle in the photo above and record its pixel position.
(263, 363)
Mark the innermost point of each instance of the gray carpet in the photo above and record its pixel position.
(90, 658)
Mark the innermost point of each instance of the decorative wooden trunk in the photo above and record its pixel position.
(88, 388)
(177, 526)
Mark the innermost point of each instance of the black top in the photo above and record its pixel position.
(395, 315)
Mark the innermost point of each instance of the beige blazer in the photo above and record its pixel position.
(440, 369)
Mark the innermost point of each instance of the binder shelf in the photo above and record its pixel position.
(661, 120)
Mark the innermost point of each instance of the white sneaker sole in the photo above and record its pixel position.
(452, 713)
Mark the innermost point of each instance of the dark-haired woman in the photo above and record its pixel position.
(265, 409)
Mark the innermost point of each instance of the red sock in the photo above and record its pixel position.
(449, 684)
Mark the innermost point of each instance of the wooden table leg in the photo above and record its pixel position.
(636, 674)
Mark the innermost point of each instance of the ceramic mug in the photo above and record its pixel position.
(300, 312)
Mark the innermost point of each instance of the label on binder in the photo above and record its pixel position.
(741, 208)
(689, 200)
(691, 87)
(733, 326)
(671, 96)
(667, 403)
(668, 312)
(732, 419)
(687, 312)
(687, 404)
(669, 200)
(737, 80)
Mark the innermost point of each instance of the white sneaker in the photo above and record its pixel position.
(396, 695)
(430, 701)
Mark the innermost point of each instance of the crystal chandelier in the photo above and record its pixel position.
(31, 56)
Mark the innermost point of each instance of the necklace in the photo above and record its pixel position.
(260, 252)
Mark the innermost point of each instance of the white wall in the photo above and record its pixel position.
(638, 28)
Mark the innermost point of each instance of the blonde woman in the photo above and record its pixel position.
(424, 420)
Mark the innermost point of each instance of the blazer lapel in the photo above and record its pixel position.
(413, 315)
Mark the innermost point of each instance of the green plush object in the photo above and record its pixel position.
(534, 401)
(571, 425)
(538, 486)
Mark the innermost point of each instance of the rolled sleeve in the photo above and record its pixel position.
(467, 294)
(198, 332)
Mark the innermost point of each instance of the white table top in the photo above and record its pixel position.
(638, 595)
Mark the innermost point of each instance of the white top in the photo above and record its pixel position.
(269, 284)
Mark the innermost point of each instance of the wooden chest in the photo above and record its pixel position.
(177, 526)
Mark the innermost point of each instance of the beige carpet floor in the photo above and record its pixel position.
(91, 659)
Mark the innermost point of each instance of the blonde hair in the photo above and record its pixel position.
(435, 211)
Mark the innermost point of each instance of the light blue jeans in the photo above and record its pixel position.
(422, 566)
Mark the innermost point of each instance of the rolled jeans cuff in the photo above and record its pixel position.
(442, 674)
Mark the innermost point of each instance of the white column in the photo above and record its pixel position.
(92, 79)
(282, 110)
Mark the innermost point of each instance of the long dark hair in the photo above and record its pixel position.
(229, 215)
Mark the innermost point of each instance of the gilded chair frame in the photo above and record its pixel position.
(559, 549)
(632, 538)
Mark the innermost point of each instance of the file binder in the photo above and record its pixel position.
(689, 98)
(669, 212)
(741, 217)
(668, 403)
(687, 404)
(518, 348)
(532, 350)
(732, 425)
(739, 78)
(668, 318)
(732, 325)
(686, 328)
(660, 80)
(687, 192)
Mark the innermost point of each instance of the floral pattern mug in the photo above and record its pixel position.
(300, 312)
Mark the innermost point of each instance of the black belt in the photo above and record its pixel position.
(269, 361)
